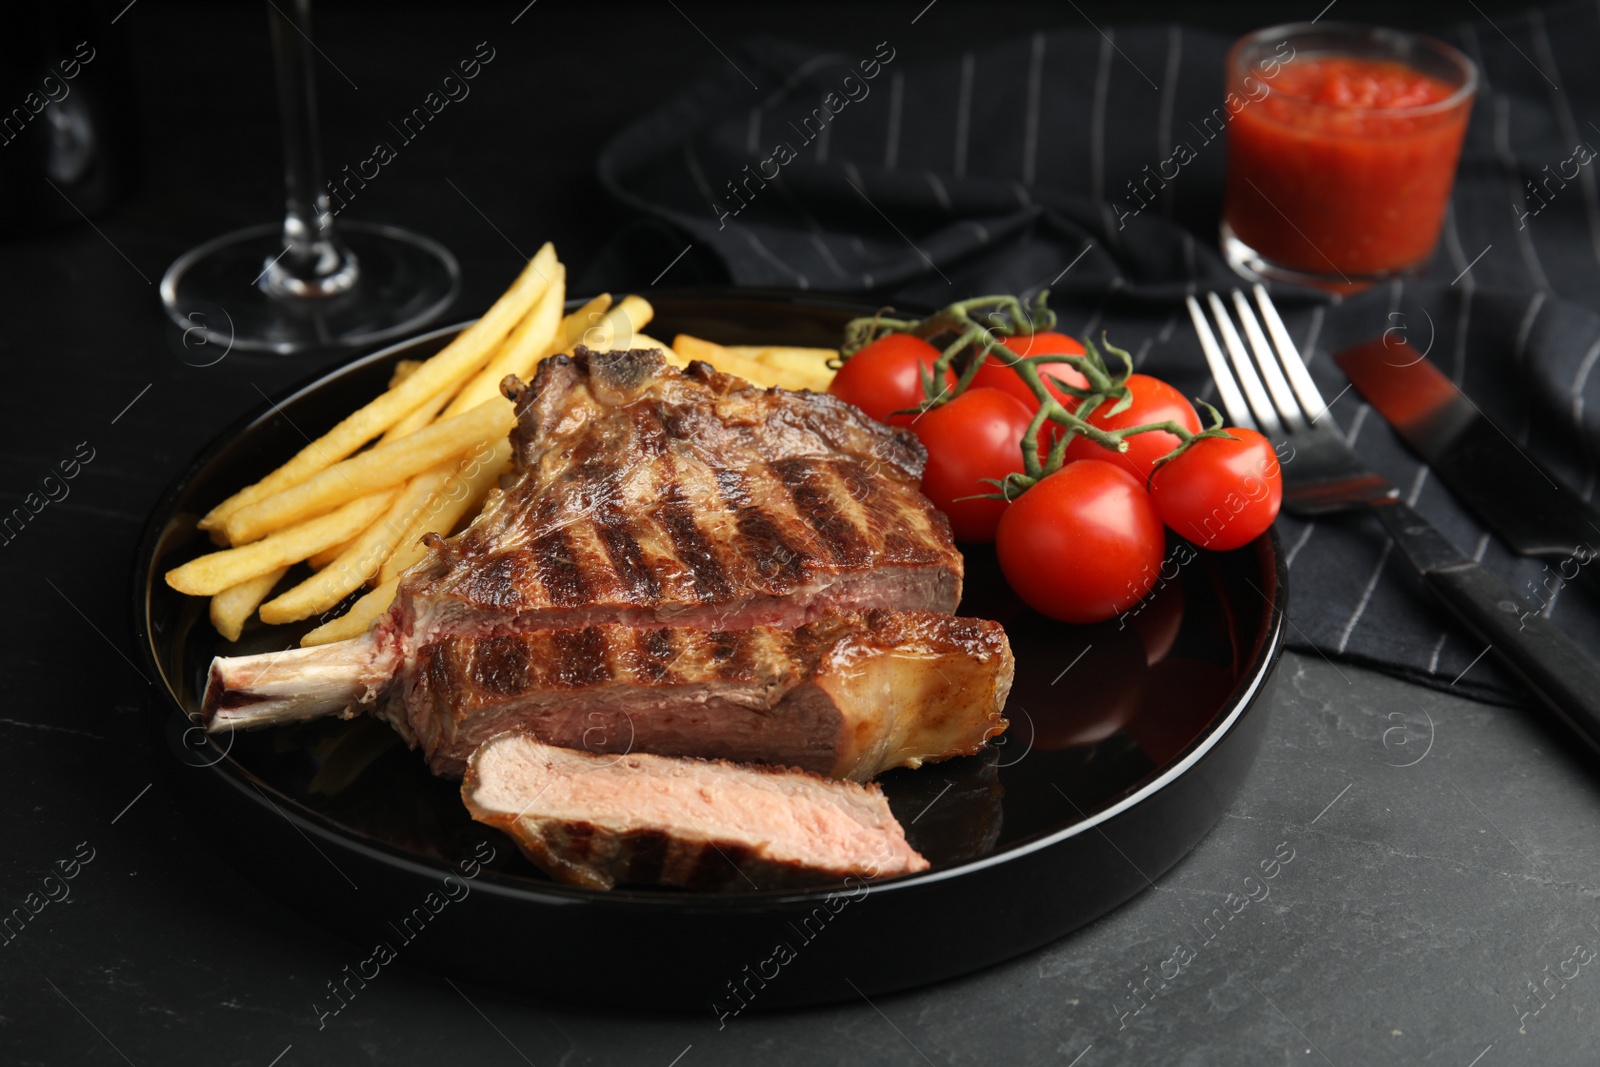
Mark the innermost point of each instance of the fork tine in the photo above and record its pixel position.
(1267, 361)
(1227, 388)
(1249, 381)
(1294, 366)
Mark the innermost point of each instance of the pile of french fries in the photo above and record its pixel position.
(355, 504)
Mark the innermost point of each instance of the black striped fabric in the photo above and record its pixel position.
(1027, 164)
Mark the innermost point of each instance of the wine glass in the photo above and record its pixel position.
(306, 283)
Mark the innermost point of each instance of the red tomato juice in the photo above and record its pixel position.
(1345, 166)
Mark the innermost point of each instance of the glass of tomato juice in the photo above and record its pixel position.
(1342, 148)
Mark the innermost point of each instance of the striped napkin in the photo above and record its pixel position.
(1051, 161)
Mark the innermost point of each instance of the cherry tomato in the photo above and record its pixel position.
(1083, 544)
(996, 372)
(977, 435)
(886, 376)
(1222, 492)
(1153, 401)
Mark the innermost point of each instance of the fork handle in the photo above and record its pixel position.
(1547, 661)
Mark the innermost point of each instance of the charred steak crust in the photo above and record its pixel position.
(653, 496)
(597, 821)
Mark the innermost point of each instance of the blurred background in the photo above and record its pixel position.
(185, 94)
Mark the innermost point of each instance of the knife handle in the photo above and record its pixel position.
(1547, 661)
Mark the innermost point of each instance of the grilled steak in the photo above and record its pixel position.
(684, 564)
(598, 820)
(653, 496)
(848, 696)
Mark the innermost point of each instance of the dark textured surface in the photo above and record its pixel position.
(1414, 910)
(1417, 904)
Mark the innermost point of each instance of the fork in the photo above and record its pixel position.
(1264, 385)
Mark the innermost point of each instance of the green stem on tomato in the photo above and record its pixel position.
(1051, 408)
(1176, 429)
(979, 326)
(1214, 430)
(1030, 444)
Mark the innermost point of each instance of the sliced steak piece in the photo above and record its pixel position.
(848, 696)
(596, 821)
(651, 496)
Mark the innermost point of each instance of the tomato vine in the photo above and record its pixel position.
(972, 330)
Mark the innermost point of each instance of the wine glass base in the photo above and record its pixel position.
(215, 291)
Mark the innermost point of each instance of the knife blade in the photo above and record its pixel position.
(1522, 503)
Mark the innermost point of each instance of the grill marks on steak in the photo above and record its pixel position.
(595, 821)
(849, 696)
(763, 539)
(658, 497)
(807, 483)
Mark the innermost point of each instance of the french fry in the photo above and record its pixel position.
(321, 559)
(575, 325)
(418, 502)
(528, 343)
(690, 347)
(421, 416)
(359, 560)
(547, 306)
(780, 355)
(354, 622)
(447, 504)
(403, 370)
(644, 340)
(464, 356)
(726, 361)
(232, 607)
(638, 312)
(212, 573)
(383, 467)
(787, 368)
(798, 368)
(532, 334)
(616, 329)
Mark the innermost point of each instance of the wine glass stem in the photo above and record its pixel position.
(314, 262)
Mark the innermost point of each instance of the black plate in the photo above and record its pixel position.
(1128, 740)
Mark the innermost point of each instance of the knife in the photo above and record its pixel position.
(1522, 503)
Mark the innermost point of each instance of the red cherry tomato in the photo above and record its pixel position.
(1222, 492)
(1153, 401)
(975, 436)
(886, 376)
(1083, 544)
(996, 372)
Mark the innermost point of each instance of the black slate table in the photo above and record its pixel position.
(1437, 859)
